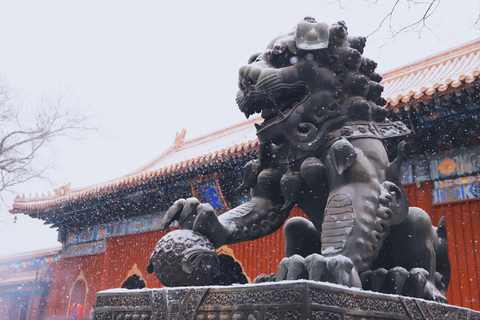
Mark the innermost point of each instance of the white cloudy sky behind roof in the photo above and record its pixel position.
(147, 69)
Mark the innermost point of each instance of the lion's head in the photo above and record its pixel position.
(308, 82)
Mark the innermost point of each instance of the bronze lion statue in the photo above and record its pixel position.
(322, 148)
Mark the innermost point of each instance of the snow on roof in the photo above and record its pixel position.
(34, 253)
(224, 143)
(211, 145)
(448, 69)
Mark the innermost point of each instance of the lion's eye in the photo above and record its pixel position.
(255, 58)
(283, 59)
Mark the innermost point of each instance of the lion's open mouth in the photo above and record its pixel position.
(273, 104)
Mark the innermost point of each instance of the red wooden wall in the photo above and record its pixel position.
(124, 252)
(101, 271)
(66, 272)
(463, 232)
(262, 255)
(110, 269)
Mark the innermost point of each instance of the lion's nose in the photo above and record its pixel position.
(247, 81)
(249, 75)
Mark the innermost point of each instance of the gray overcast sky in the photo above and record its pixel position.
(150, 68)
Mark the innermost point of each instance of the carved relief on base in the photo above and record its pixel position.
(283, 300)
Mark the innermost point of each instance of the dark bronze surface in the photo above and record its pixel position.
(322, 148)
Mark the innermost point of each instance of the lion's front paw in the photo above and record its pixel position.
(418, 285)
(385, 281)
(413, 283)
(196, 216)
(265, 278)
(336, 269)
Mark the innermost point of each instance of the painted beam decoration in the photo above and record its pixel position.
(94, 240)
(455, 176)
(207, 188)
(84, 249)
(29, 264)
(456, 189)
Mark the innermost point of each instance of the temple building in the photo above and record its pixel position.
(108, 231)
(25, 282)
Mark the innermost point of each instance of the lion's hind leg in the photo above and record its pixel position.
(301, 237)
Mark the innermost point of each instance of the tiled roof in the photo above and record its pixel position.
(437, 73)
(448, 69)
(31, 255)
(226, 143)
(215, 145)
(18, 278)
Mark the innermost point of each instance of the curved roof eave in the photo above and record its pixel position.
(438, 73)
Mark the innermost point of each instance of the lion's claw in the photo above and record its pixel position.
(291, 268)
(186, 212)
(173, 214)
(419, 286)
(343, 271)
(398, 280)
(193, 215)
(265, 278)
(336, 269)
(316, 265)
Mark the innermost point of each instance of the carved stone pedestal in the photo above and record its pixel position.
(282, 300)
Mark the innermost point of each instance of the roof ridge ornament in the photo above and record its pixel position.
(63, 189)
(179, 138)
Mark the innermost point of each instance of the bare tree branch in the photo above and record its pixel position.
(401, 17)
(388, 16)
(27, 129)
(417, 25)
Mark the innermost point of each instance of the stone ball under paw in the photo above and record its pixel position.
(184, 258)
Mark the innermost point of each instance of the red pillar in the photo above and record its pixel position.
(33, 307)
(424, 196)
(106, 259)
